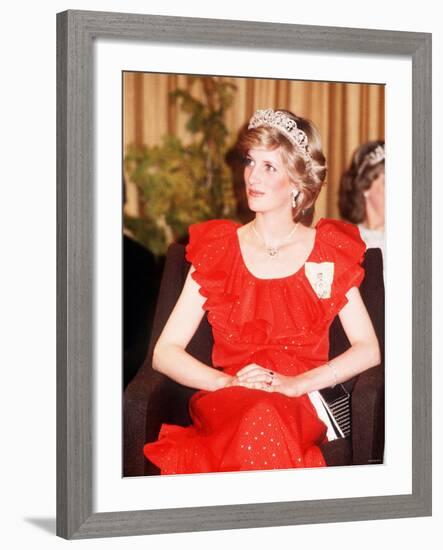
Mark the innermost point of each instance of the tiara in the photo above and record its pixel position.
(375, 156)
(284, 124)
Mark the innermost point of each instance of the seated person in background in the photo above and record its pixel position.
(362, 193)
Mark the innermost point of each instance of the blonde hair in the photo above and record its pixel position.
(306, 171)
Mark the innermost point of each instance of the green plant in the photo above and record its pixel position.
(181, 184)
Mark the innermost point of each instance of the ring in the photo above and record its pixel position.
(272, 378)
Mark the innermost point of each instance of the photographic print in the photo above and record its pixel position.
(273, 191)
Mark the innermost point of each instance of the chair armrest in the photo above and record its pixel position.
(139, 393)
(368, 417)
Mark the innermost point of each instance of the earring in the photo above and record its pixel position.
(294, 198)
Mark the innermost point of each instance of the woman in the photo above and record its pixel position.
(271, 288)
(362, 193)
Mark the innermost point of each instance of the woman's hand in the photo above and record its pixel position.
(255, 377)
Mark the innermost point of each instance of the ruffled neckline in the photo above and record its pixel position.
(299, 271)
(258, 310)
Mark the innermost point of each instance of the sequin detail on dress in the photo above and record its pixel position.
(280, 324)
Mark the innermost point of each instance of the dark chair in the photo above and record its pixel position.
(151, 398)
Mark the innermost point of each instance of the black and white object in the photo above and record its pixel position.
(337, 402)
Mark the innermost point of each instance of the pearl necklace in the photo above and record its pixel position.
(272, 251)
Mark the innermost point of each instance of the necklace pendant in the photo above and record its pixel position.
(272, 251)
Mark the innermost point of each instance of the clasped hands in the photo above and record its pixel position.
(255, 377)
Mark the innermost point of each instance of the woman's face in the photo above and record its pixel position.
(268, 187)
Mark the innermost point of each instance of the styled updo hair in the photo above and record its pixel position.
(368, 162)
(306, 171)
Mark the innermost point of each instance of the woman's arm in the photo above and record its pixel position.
(363, 354)
(170, 357)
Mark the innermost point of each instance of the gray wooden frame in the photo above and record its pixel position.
(76, 32)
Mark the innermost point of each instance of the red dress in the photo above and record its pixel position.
(281, 324)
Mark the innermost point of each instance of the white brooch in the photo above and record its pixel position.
(320, 276)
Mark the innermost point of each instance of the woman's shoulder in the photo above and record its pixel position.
(213, 227)
(340, 237)
(209, 235)
(338, 232)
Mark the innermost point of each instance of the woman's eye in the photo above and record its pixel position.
(270, 168)
(247, 161)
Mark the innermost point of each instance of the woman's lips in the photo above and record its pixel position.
(254, 193)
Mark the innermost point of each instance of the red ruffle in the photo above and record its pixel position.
(271, 309)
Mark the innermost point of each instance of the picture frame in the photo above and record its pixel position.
(76, 33)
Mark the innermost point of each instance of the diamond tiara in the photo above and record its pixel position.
(375, 156)
(284, 124)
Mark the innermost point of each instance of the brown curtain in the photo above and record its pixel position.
(346, 114)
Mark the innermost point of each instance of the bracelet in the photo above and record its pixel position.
(334, 372)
